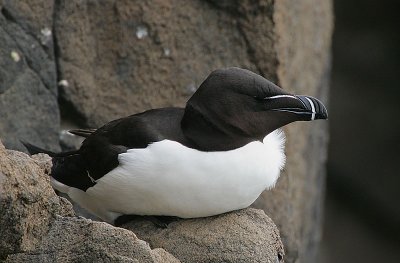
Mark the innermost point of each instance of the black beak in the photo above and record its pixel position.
(306, 108)
(315, 107)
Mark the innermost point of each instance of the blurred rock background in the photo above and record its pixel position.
(362, 213)
(67, 64)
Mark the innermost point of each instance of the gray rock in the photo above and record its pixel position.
(31, 15)
(29, 112)
(303, 32)
(83, 240)
(28, 204)
(246, 235)
(121, 58)
(127, 58)
(38, 226)
(28, 92)
(69, 141)
(117, 58)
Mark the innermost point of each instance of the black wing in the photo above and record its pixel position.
(101, 148)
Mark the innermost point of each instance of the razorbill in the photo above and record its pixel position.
(217, 154)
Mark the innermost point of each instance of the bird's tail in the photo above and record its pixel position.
(33, 149)
(68, 168)
(82, 132)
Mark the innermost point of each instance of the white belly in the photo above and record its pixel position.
(167, 178)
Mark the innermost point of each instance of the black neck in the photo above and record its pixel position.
(211, 136)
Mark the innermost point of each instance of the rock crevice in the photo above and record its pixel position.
(117, 58)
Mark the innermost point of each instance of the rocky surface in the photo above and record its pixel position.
(28, 204)
(127, 58)
(28, 91)
(242, 236)
(115, 58)
(39, 226)
(83, 240)
(303, 36)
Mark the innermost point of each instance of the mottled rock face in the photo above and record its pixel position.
(28, 204)
(82, 240)
(28, 90)
(242, 236)
(127, 57)
(38, 226)
(303, 30)
(116, 58)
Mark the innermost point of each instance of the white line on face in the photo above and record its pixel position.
(280, 96)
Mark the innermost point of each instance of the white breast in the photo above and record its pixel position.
(167, 178)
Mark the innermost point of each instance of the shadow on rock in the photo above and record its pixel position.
(39, 226)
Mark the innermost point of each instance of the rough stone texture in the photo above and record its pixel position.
(28, 204)
(33, 230)
(242, 236)
(303, 36)
(28, 89)
(120, 57)
(38, 226)
(114, 71)
(83, 240)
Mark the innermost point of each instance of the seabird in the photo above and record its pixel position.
(216, 155)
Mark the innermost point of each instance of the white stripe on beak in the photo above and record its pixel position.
(312, 108)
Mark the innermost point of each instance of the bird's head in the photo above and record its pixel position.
(240, 106)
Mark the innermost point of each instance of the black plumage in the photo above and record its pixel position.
(230, 109)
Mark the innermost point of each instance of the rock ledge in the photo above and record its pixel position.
(39, 226)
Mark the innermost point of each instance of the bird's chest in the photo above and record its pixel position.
(168, 178)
